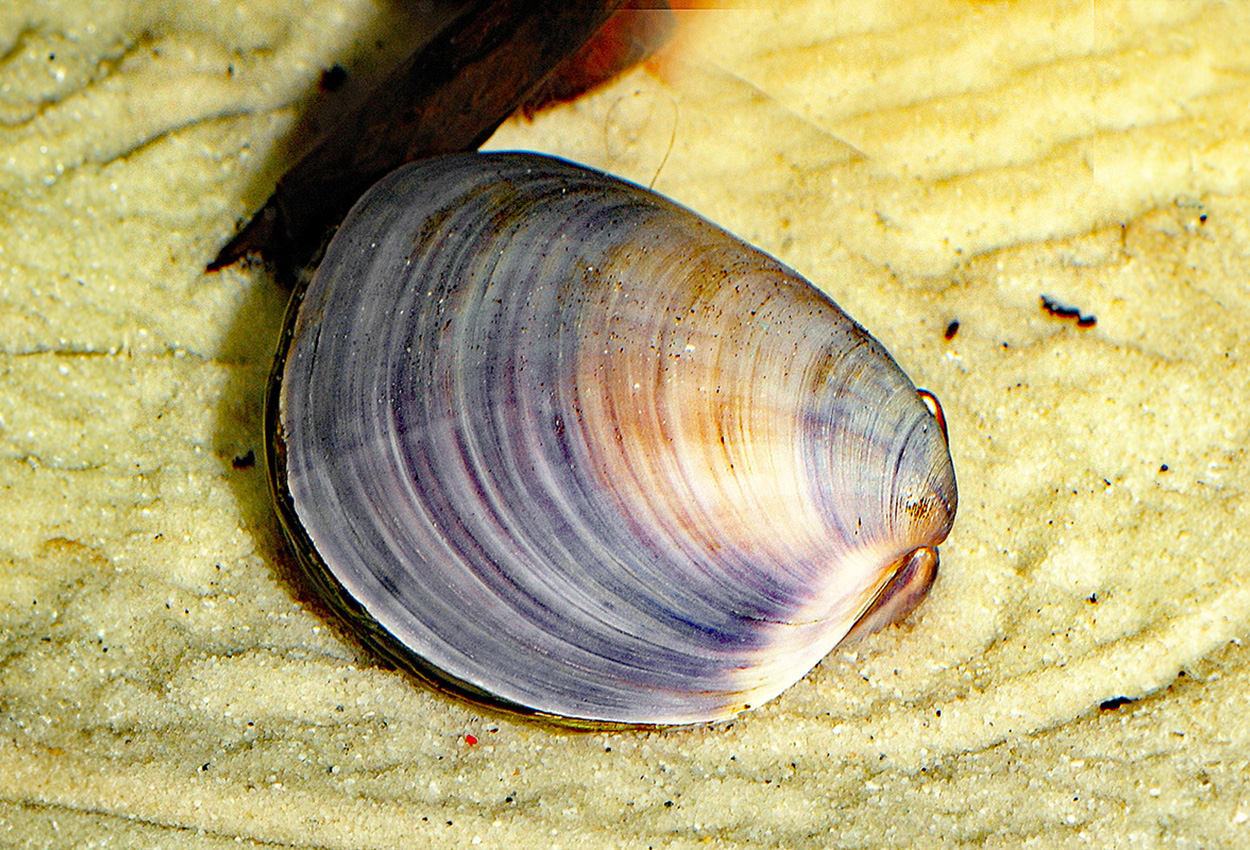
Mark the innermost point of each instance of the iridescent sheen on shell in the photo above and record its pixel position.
(561, 444)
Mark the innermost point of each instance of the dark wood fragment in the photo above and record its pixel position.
(448, 96)
(1064, 311)
(632, 34)
(1114, 703)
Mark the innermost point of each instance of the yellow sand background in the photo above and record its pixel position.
(162, 682)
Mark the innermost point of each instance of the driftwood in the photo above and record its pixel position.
(450, 95)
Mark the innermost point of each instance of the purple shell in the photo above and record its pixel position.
(550, 439)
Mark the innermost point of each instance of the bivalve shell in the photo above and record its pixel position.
(560, 444)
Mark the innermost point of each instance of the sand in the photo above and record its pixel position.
(1078, 675)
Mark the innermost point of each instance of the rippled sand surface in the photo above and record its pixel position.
(1077, 677)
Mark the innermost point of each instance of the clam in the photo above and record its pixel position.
(559, 444)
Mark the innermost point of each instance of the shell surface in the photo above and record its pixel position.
(557, 442)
